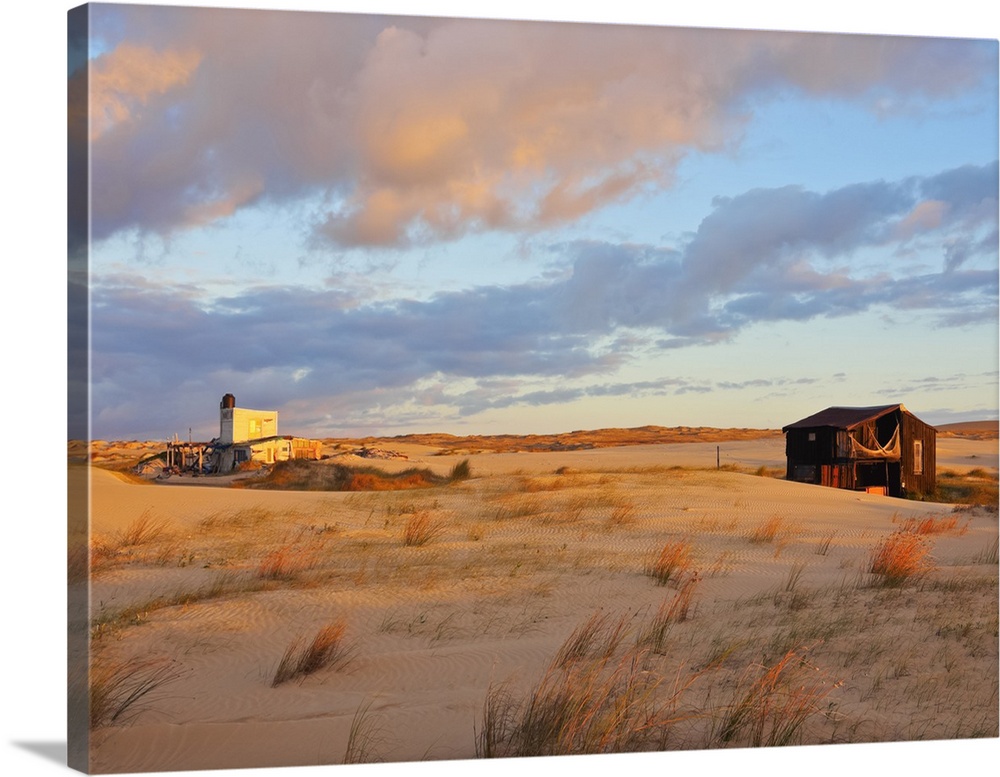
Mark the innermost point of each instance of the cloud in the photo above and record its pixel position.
(123, 81)
(493, 346)
(417, 130)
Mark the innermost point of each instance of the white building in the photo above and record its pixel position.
(245, 435)
(238, 424)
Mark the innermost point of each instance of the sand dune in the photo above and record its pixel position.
(521, 558)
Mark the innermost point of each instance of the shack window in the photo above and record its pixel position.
(812, 436)
(254, 428)
(918, 457)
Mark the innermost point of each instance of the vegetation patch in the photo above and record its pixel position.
(305, 475)
(975, 487)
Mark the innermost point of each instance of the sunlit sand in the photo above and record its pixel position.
(215, 584)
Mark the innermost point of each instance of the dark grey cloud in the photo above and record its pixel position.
(749, 262)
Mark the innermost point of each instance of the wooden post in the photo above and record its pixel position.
(718, 461)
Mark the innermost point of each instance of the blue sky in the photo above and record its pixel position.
(398, 224)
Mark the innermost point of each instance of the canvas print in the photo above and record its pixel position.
(454, 389)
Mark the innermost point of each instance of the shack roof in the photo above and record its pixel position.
(843, 417)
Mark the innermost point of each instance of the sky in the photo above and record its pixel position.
(392, 224)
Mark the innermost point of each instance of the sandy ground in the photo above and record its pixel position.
(225, 581)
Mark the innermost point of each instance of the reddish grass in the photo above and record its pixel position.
(597, 638)
(772, 703)
(591, 706)
(900, 556)
(767, 530)
(284, 563)
(673, 560)
(304, 475)
(327, 649)
(933, 526)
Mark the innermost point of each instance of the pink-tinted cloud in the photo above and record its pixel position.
(124, 80)
(422, 129)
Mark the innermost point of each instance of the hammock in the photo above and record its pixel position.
(873, 449)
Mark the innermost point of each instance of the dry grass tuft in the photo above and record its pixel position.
(364, 737)
(767, 530)
(933, 526)
(990, 554)
(420, 529)
(598, 638)
(284, 564)
(899, 557)
(327, 649)
(622, 513)
(142, 531)
(654, 635)
(673, 560)
(772, 703)
(600, 706)
(121, 690)
(823, 546)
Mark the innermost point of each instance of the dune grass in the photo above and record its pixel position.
(900, 557)
(364, 737)
(767, 530)
(673, 560)
(327, 649)
(931, 525)
(420, 529)
(121, 690)
(655, 634)
(597, 638)
(772, 703)
(594, 706)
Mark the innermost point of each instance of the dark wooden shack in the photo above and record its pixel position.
(885, 450)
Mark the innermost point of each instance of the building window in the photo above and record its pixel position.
(254, 428)
(812, 436)
(918, 457)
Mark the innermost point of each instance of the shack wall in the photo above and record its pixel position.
(821, 455)
(919, 456)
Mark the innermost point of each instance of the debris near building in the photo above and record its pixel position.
(882, 450)
(378, 453)
(245, 437)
